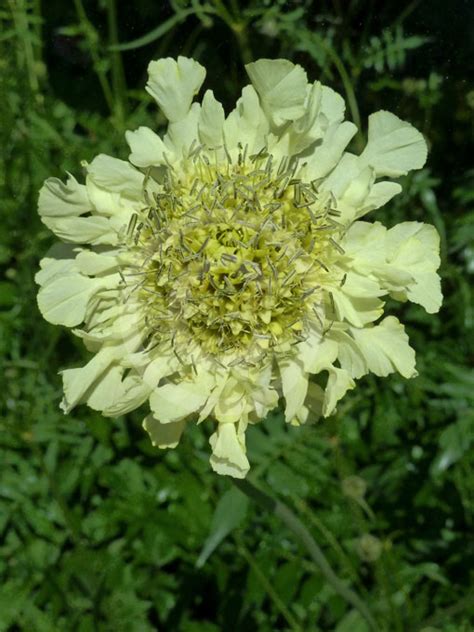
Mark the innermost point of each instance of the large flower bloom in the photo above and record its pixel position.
(227, 262)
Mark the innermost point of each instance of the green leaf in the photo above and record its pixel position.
(284, 479)
(230, 512)
(13, 596)
(7, 294)
(352, 622)
(454, 442)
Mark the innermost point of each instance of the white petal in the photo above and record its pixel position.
(85, 230)
(163, 365)
(357, 300)
(212, 400)
(147, 148)
(380, 194)
(228, 451)
(332, 105)
(173, 402)
(77, 382)
(317, 353)
(385, 348)
(116, 175)
(211, 122)
(339, 382)
(300, 134)
(359, 188)
(57, 199)
(173, 85)
(294, 380)
(232, 402)
(107, 203)
(56, 265)
(105, 392)
(64, 299)
(182, 134)
(404, 259)
(325, 156)
(132, 394)
(92, 263)
(281, 87)
(307, 128)
(364, 246)
(246, 125)
(413, 248)
(161, 434)
(348, 353)
(348, 168)
(394, 147)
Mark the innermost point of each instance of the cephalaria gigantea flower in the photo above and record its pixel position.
(230, 261)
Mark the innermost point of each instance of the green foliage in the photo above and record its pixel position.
(100, 531)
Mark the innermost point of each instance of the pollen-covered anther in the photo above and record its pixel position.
(231, 254)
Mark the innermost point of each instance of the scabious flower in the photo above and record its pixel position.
(228, 262)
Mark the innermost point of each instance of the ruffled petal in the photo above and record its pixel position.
(348, 353)
(394, 147)
(173, 402)
(317, 353)
(79, 383)
(93, 230)
(211, 121)
(357, 300)
(246, 126)
(164, 435)
(116, 175)
(325, 156)
(281, 87)
(93, 263)
(173, 85)
(64, 299)
(385, 348)
(147, 148)
(57, 199)
(228, 451)
(294, 380)
(413, 248)
(133, 393)
(332, 106)
(379, 195)
(231, 405)
(339, 382)
(403, 259)
(183, 134)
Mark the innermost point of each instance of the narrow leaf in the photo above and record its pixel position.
(230, 512)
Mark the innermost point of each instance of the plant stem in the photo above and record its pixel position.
(92, 39)
(301, 532)
(238, 27)
(118, 75)
(294, 625)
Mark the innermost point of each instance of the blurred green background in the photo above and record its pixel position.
(99, 531)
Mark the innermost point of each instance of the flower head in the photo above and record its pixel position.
(227, 262)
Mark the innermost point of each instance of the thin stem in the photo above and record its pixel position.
(294, 625)
(346, 81)
(303, 507)
(238, 27)
(301, 532)
(20, 19)
(118, 75)
(92, 40)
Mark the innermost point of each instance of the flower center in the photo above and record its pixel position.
(232, 256)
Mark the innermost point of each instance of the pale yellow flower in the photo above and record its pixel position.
(228, 261)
